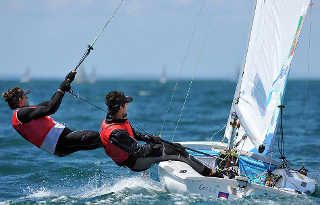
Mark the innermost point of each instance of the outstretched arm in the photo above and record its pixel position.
(46, 108)
(27, 114)
(46, 102)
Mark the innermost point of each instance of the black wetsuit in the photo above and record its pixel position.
(143, 156)
(69, 141)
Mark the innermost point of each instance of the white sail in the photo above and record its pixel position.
(81, 75)
(163, 78)
(26, 77)
(274, 34)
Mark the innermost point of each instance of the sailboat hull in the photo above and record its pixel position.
(178, 177)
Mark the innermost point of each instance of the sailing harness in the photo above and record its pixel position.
(114, 152)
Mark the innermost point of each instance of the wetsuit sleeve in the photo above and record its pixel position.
(122, 139)
(140, 136)
(46, 108)
(46, 102)
(43, 103)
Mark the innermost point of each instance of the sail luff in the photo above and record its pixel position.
(229, 128)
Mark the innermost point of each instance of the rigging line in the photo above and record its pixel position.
(90, 47)
(270, 160)
(240, 152)
(218, 132)
(280, 137)
(78, 96)
(307, 87)
(127, 8)
(196, 67)
(182, 66)
(107, 23)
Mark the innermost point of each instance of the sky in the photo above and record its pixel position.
(206, 39)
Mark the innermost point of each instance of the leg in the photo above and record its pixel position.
(165, 152)
(70, 142)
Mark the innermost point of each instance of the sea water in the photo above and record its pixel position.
(31, 176)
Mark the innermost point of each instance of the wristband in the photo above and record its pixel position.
(61, 91)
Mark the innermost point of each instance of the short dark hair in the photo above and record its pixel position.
(114, 101)
(12, 97)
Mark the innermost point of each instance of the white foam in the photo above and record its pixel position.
(121, 190)
(91, 190)
(41, 193)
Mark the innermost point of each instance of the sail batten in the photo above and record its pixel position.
(274, 34)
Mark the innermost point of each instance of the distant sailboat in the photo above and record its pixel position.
(163, 78)
(26, 77)
(82, 77)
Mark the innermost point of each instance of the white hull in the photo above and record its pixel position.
(179, 177)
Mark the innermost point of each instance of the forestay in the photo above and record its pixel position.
(274, 34)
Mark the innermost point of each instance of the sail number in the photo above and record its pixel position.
(207, 188)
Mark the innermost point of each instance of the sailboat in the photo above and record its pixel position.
(26, 77)
(82, 76)
(255, 116)
(163, 78)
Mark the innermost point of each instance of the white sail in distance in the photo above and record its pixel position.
(273, 38)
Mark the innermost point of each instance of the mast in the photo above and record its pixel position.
(234, 129)
(231, 128)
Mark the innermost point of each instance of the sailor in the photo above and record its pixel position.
(35, 125)
(121, 141)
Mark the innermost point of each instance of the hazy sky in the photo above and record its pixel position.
(143, 37)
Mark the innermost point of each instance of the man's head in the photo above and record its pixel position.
(16, 97)
(116, 101)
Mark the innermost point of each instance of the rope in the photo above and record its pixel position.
(85, 55)
(90, 47)
(196, 67)
(183, 62)
(280, 138)
(78, 96)
(270, 161)
(107, 23)
(218, 132)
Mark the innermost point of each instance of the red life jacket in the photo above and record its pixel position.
(34, 131)
(114, 152)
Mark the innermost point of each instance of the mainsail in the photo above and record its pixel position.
(274, 34)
